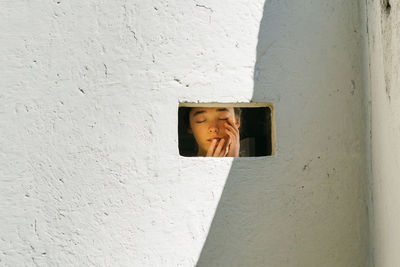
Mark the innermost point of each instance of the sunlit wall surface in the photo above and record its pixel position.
(90, 168)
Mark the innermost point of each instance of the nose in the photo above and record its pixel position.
(213, 128)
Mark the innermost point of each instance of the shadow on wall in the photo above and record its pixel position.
(237, 235)
(275, 211)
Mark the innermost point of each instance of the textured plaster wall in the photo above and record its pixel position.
(384, 83)
(89, 162)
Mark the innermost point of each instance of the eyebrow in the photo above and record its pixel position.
(199, 112)
(203, 111)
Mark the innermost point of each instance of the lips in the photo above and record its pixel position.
(212, 138)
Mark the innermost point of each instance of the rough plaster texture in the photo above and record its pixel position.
(90, 169)
(384, 83)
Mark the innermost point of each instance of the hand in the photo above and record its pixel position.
(217, 151)
(234, 138)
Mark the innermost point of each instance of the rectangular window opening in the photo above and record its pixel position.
(239, 129)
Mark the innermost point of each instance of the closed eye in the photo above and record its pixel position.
(223, 119)
(200, 121)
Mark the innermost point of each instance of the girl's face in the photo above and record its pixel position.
(207, 124)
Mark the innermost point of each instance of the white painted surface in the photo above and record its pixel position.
(383, 81)
(90, 169)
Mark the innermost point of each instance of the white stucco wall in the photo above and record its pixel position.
(383, 83)
(89, 162)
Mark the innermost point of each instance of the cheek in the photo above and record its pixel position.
(221, 125)
(222, 128)
(199, 130)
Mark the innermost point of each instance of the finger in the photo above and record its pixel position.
(231, 136)
(225, 150)
(229, 121)
(227, 146)
(232, 139)
(232, 123)
(234, 146)
(231, 130)
(210, 150)
(218, 150)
